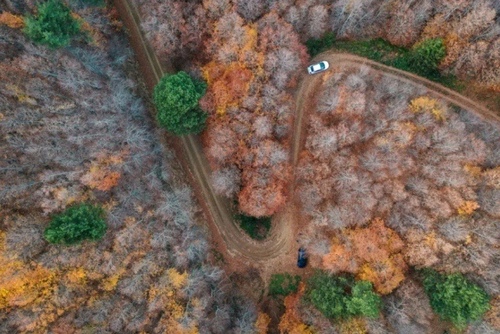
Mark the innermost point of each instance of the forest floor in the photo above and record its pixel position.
(277, 253)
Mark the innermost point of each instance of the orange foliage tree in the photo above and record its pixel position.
(251, 68)
(290, 322)
(102, 174)
(372, 252)
(262, 323)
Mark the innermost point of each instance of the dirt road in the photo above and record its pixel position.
(341, 59)
(280, 247)
(237, 243)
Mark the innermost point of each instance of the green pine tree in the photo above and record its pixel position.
(53, 25)
(176, 98)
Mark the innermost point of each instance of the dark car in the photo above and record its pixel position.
(302, 258)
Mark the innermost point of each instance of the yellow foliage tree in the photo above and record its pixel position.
(21, 285)
(428, 104)
(168, 296)
(76, 277)
(110, 283)
(386, 275)
(178, 280)
(353, 326)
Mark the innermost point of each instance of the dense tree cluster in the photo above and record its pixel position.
(250, 56)
(373, 253)
(74, 129)
(469, 28)
(455, 298)
(377, 147)
(250, 108)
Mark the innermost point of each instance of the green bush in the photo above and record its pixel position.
(454, 298)
(342, 297)
(176, 98)
(53, 25)
(316, 46)
(256, 228)
(283, 284)
(424, 58)
(77, 223)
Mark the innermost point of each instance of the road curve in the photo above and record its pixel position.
(337, 59)
(436, 89)
(217, 211)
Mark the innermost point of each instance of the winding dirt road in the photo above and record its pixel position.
(279, 247)
(217, 209)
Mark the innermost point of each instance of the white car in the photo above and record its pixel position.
(318, 67)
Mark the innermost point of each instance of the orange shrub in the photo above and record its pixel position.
(11, 20)
(262, 323)
(102, 174)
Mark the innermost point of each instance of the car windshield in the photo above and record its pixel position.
(322, 66)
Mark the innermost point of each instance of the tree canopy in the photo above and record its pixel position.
(176, 98)
(425, 57)
(342, 296)
(455, 298)
(77, 223)
(54, 25)
(283, 284)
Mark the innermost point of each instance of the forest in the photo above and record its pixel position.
(249, 52)
(75, 128)
(397, 190)
(421, 175)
